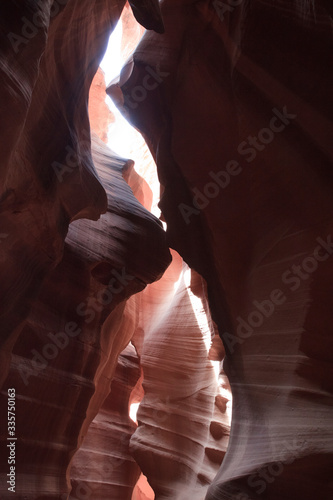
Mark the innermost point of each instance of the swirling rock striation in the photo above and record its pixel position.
(50, 53)
(103, 467)
(167, 315)
(239, 125)
(55, 298)
(175, 443)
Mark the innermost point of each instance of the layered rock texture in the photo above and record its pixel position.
(241, 128)
(103, 311)
(75, 244)
(179, 394)
(100, 116)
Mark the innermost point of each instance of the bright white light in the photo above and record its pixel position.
(112, 61)
(123, 139)
(199, 310)
(217, 368)
(133, 411)
(121, 134)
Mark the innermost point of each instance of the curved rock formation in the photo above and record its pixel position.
(183, 430)
(50, 54)
(102, 467)
(239, 124)
(76, 330)
(62, 302)
(233, 100)
(100, 116)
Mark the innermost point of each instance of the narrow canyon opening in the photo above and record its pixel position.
(125, 141)
(113, 322)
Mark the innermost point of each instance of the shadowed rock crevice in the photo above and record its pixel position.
(96, 311)
(241, 146)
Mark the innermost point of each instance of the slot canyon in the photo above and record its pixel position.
(166, 315)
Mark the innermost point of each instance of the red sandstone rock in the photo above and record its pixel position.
(106, 477)
(132, 32)
(100, 116)
(64, 355)
(228, 76)
(103, 466)
(143, 490)
(173, 336)
(49, 57)
(240, 121)
(48, 177)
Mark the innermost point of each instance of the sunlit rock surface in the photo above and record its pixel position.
(103, 467)
(240, 126)
(234, 102)
(163, 319)
(136, 147)
(66, 353)
(132, 32)
(100, 116)
(175, 443)
(50, 53)
(62, 299)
